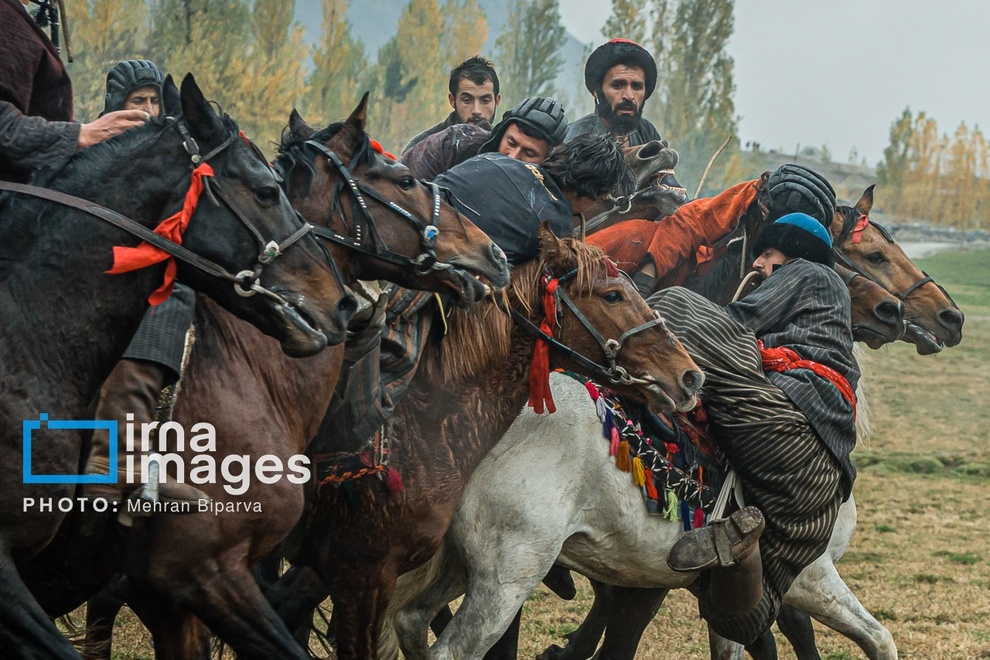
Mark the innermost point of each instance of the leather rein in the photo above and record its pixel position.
(245, 282)
(611, 372)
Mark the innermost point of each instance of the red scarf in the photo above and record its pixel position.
(782, 358)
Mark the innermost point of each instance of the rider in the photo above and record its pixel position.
(134, 85)
(663, 254)
(527, 132)
(473, 94)
(621, 75)
(507, 199)
(153, 359)
(36, 127)
(784, 413)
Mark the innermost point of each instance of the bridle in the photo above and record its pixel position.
(902, 296)
(246, 281)
(364, 224)
(611, 372)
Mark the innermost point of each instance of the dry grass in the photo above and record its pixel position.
(920, 561)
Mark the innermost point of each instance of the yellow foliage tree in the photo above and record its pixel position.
(339, 67)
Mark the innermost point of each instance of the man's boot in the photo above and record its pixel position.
(721, 544)
(132, 387)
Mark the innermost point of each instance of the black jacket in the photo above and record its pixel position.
(592, 124)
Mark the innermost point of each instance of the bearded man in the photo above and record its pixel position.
(621, 75)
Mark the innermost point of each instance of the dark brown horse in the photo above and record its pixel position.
(468, 390)
(66, 322)
(263, 404)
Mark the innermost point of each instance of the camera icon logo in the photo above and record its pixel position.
(29, 426)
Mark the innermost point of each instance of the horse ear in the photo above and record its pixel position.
(865, 203)
(553, 252)
(359, 117)
(171, 101)
(298, 128)
(198, 113)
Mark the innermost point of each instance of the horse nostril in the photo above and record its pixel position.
(951, 319)
(889, 312)
(346, 307)
(498, 255)
(691, 380)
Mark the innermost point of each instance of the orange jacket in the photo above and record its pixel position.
(679, 243)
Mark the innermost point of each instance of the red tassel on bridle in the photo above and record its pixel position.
(857, 232)
(539, 369)
(126, 259)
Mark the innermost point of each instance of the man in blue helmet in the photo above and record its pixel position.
(527, 132)
(780, 393)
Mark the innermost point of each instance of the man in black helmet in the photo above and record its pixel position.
(527, 132)
(621, 75)
(134, 85)
(36, 127)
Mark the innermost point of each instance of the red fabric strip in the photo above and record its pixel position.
(539, 369)
(782, 358)
(857, 232)
(126, 259)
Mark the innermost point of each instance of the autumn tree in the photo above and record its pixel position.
(528, 50)
(339, 67)
(629, 19)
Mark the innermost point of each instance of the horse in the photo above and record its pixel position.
(66, 323)
(879, 638)
(467, 391)
(232, 369)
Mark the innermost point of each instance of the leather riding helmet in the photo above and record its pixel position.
(797, 189)
(544, 116)
(619, 51)
(799, 236)
(127, 76)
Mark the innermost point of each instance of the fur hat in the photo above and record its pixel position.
(799, 236)
(127, 76)
(544, 116)
(619, 51)
(797, 189)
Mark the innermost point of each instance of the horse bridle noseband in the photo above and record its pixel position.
(902, 296)
(424, 263)
(246, 281)
(613, 373)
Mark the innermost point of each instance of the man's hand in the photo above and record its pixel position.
(109, 125)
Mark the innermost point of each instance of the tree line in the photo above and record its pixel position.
(930, 175)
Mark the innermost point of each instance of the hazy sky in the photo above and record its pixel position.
(840, 72)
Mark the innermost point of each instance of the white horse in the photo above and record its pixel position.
(550, 492)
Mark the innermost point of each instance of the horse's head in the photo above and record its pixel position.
(877, 315)
(385, 224)
(653, 165)
(607, 331)
(932, 319)
(287, 286)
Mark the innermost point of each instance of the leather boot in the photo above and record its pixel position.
(721, 544)
(132, 387)
(737, 589)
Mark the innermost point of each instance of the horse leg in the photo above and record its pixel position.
(360, 593)
(507, 646)
(821, 592)
(25, 629)
(583, 642)
(295, 596)
(632, 611)
(722, 648)
(175, 632)
(797, 628)
(763, 647)
(232, 605)
(101, 611)
(410, 623)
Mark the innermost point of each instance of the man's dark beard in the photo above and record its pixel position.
(619, 124)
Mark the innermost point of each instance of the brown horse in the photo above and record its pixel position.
(467, 392)
(263, 404)
(66, 322)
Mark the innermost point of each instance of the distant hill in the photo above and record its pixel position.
(375, 21)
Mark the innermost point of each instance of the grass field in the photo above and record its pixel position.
(920, 559)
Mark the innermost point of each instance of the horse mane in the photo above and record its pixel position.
(850, 216)
(292, 153)
(479, 338)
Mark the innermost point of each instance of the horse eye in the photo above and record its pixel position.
(407, 183)
(267, 195)
(613, 297)
(876, 258)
